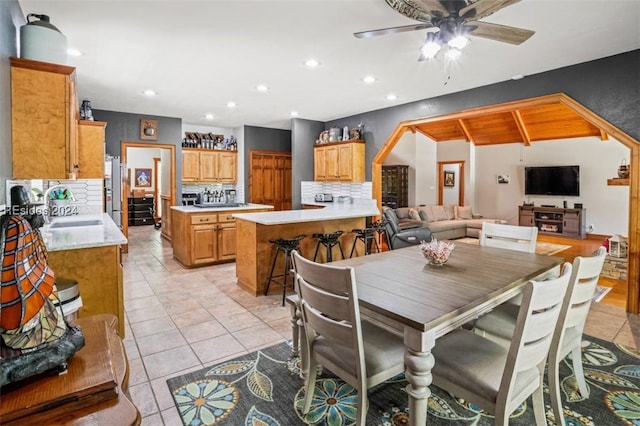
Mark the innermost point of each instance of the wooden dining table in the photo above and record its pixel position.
(400, 289)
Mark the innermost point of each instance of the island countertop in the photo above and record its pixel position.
(194, 209)
(358, 208)
(77, 237)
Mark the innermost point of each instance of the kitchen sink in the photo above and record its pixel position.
(219, 205)
(72, 224)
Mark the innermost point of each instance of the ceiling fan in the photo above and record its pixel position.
(454, 19)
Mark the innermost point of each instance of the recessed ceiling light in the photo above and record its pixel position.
(369, 79)
(149, 92)
(73, 52)
(312, 63)
(209, 116)
(391, 97)
(231, 104)
(293, 113)
(517, 77)
(262, 88)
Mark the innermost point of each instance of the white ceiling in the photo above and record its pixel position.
(198, 55)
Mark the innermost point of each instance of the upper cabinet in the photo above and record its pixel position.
(91, 149)
(209, 166)
(44, 120)
(339, 161)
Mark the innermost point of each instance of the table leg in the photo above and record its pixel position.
(419, 361)
(295, 331)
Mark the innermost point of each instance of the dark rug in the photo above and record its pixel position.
(264, 388)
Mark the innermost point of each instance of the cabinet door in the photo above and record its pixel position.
(571, 224)
(190, 166)
(43, 133)
(287, 183)
(227, 241)
(165, 223)
(204, 242)
(344, 162)
(526, 218)
(91, 149)
(319, 163)
(227, 166)
(268, 175)
(208, 160)
(331, 163)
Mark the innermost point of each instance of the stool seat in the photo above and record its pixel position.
(329, 240)
(285, 246)
(368, 237)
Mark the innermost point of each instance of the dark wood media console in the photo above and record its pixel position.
(551, 220)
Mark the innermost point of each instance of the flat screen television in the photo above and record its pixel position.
(552, 180)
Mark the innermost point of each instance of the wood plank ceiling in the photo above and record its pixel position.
(523, 125)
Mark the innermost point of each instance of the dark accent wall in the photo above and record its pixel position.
(610, 87)
(122, 126)
(304, 133)
(264, 139)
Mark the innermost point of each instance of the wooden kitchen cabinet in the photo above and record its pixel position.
(91, 149)
(44, 120)
(165, 222)
(339, 162)
(204, 244)
(209, 166)
(270, 178)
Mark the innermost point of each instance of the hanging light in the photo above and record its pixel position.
(431, 46)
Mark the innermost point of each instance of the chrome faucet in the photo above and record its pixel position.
(45, 199)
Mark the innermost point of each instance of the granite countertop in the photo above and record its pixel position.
(331, 211)
(76, 237)
(193, 209)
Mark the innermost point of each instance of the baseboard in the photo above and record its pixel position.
(598, 237)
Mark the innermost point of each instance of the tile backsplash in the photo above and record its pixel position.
(88, 193)
(355, 190)
(196, 188)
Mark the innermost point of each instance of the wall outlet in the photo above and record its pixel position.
(590, 229)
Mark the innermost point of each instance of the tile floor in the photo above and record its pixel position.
(181, 320)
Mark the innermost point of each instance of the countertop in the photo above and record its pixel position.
(77, 237)
(193, 209)
(331, 211)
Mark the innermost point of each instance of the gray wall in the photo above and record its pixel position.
(122, 126)
(11, 19)
(304, 133)
(263, 139)
(610, 87)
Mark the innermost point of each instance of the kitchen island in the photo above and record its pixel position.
(206, 235)
(254, 252)
(86, 248)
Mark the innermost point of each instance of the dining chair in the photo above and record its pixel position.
(497, 378)
(358, 351)
(499, 325)
(512, 237)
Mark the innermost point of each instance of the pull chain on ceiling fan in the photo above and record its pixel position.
(454, 20)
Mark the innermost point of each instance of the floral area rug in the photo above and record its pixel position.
(541, 247)
(264, 388)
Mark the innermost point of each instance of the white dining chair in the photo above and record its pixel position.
(358, 351)
(511, 237)
(497, 378)
(499, 325)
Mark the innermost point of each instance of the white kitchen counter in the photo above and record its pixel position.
(331, 211)
(77, 237)
(193, 209)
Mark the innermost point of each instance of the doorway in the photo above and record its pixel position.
(451, 182)
(170, 192)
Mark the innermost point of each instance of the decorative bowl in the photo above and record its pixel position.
(436, 252)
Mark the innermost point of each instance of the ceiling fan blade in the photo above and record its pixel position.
(432, 7)
(391, 30)
(420, 10)
(484, 8)
(498, 32)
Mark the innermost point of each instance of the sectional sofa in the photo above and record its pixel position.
(445, 222)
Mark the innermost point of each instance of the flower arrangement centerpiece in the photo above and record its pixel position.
(437, 252)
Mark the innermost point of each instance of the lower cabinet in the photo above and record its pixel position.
(165, 222)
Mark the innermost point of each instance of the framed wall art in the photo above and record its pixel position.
(149, 130)
(142, 177)
(504, 178)
(449, 178)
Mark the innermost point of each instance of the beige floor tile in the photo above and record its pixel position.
(161, 389)
(191, 317)
(159, 342)
(217, 347)
(225, 308)
(239, 321)
(170, 361)
(628, 336)
(145, 314)
(154, 420)
(203, 331)
(257, 336)
(142, 397)
(137, 374)
(171, 417)
(154, 326)
(137, 290)
(142, 303)
(131, 347)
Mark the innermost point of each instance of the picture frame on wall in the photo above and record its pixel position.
(142, 177)
(149, 130)
(449, 178)
(503, 179)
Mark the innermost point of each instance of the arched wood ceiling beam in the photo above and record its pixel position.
(603, 135)
(465, 130)
(517, 117)
(427, 134)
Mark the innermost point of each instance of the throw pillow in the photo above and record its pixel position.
(413, 214)
(425, 213)
(450, 209)
(423, 216)
(464, 212)
(439, 213)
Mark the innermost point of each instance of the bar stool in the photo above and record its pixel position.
(285, 246)
(329, 241)
(367, 236)
(381, 231)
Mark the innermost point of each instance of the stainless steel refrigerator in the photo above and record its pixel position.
(113, 188)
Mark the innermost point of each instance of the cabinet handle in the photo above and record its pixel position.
(204, 220)
(229, 217)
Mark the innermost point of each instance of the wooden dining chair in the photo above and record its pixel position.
(499, 325)
(496, 378)
(511, 237)
(358, 351)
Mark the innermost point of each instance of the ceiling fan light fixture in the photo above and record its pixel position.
(458, 42)
(453, 54)
(432, 45)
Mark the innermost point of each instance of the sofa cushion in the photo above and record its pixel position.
(403, 212)
(450, 209)
(464, 212)
(445, 225)
(439, 213)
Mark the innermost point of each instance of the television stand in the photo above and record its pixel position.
(558, 221)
